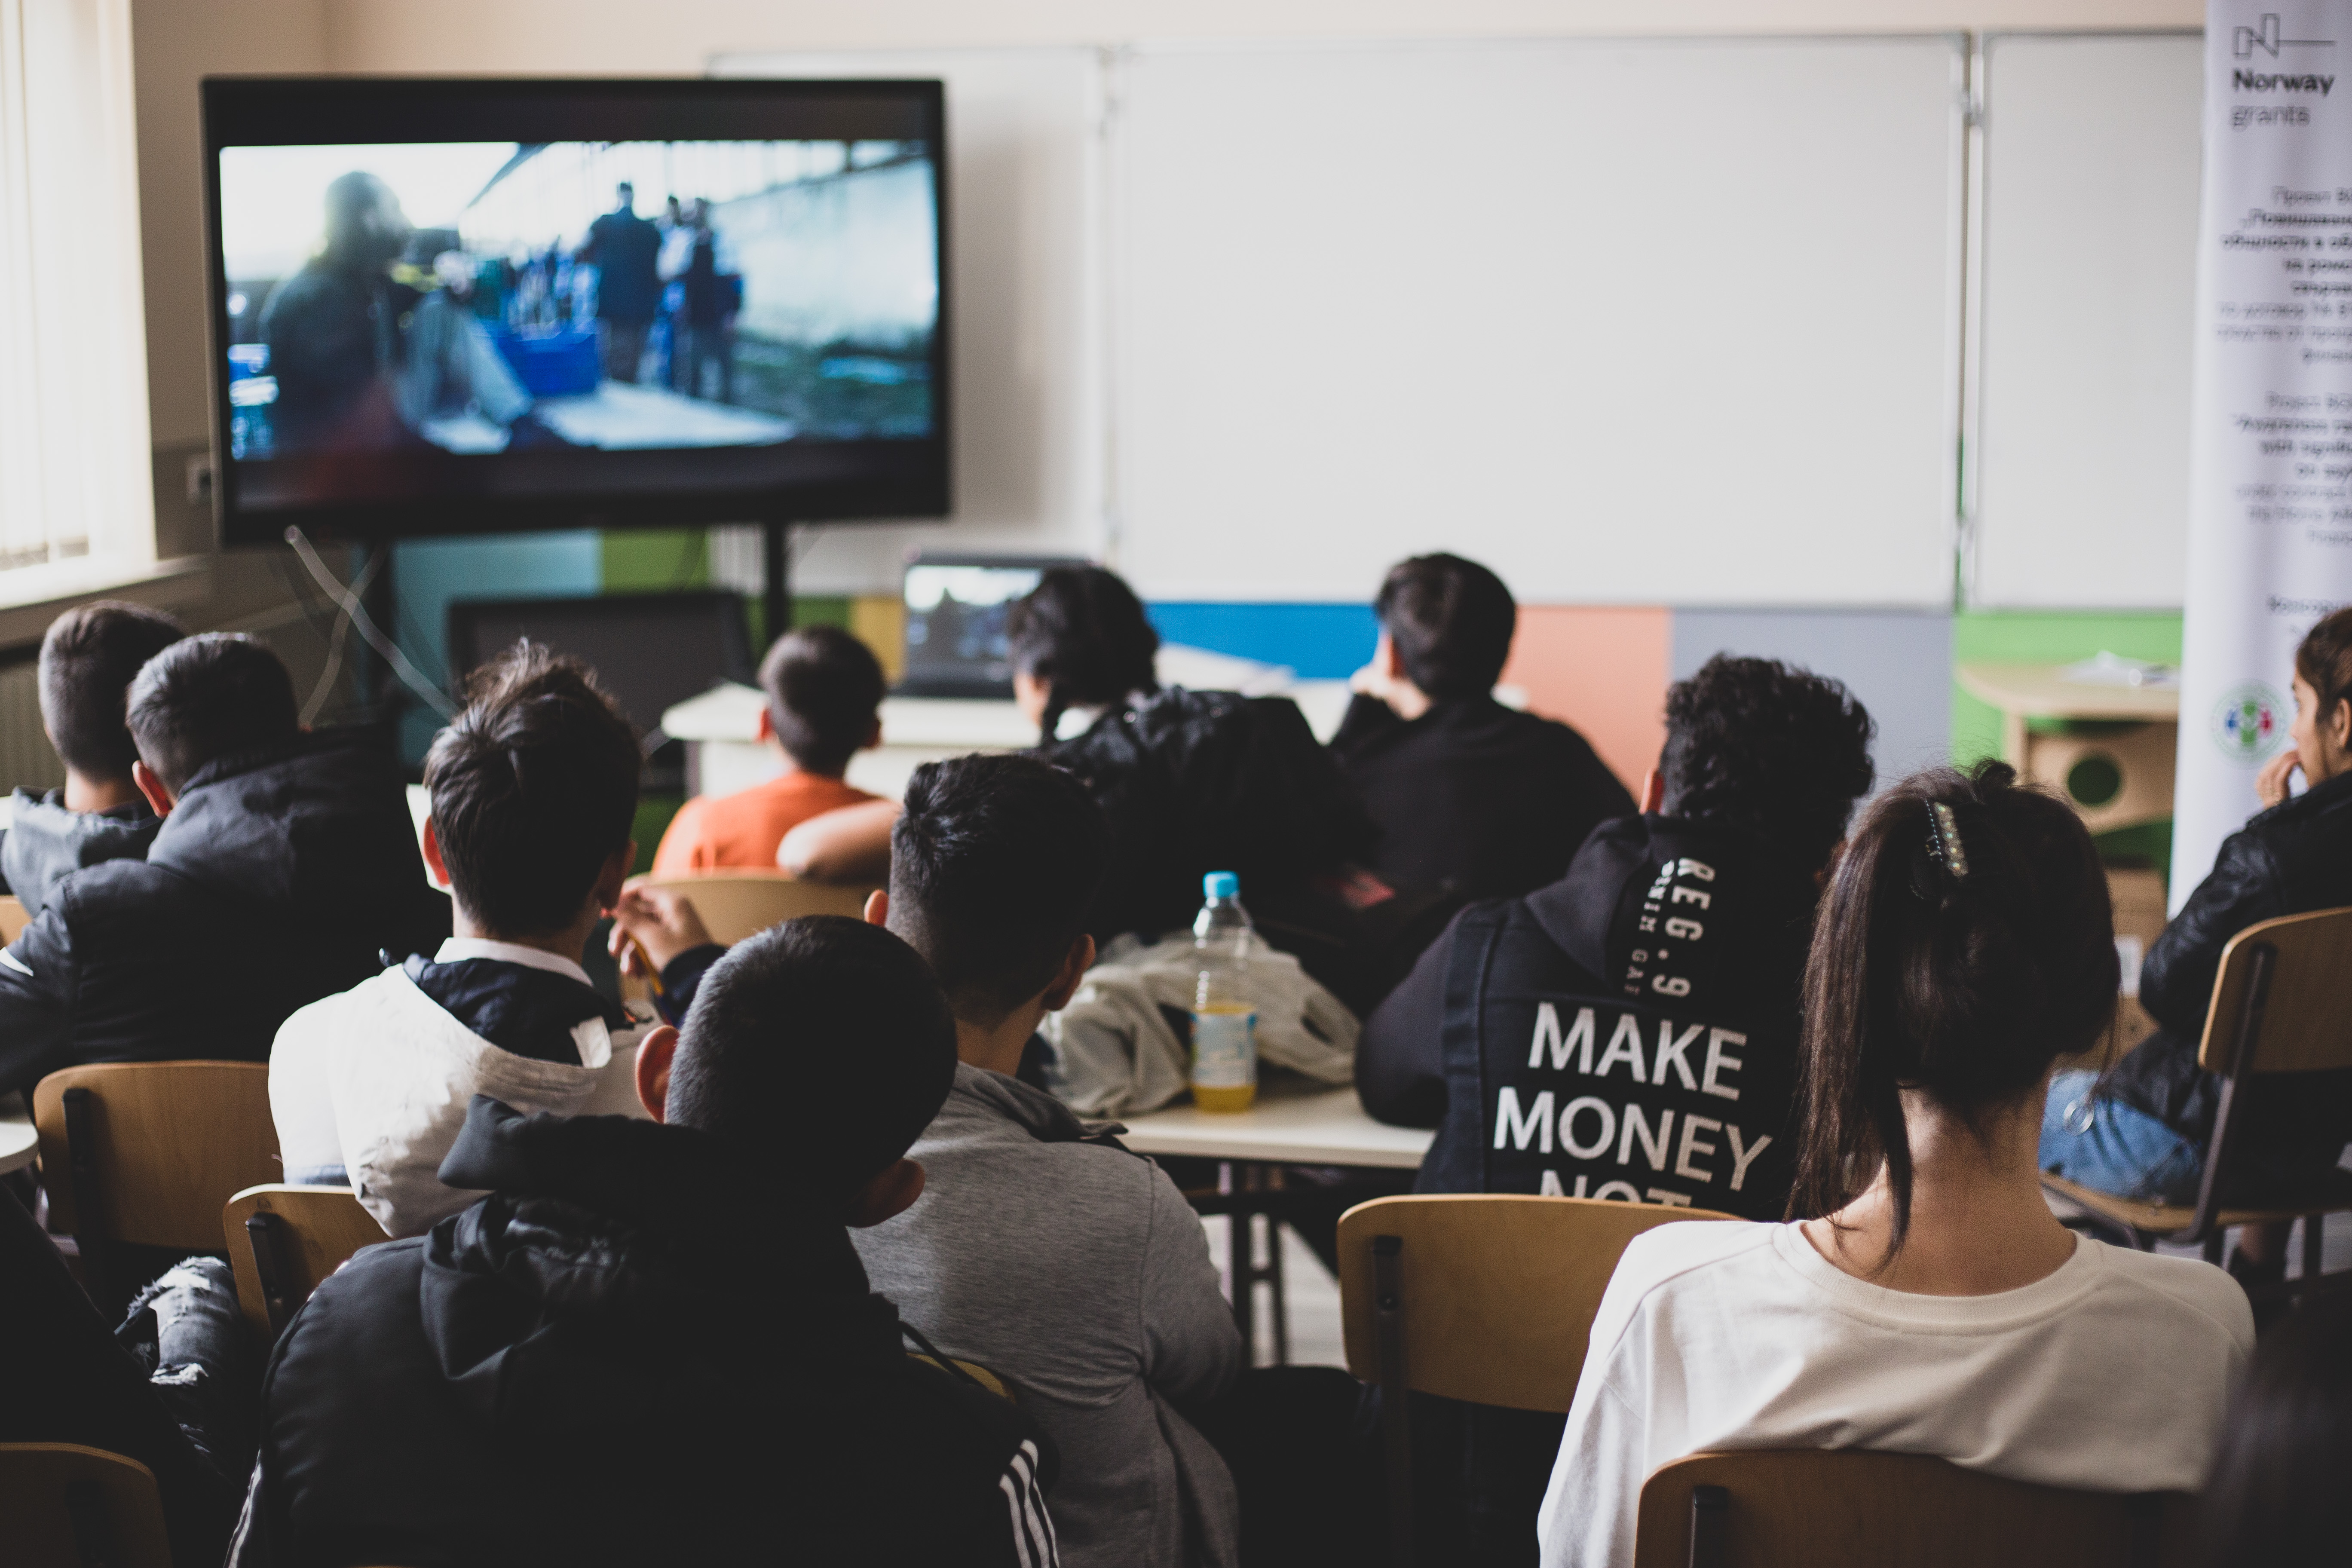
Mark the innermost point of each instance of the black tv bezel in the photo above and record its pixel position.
(255, 111)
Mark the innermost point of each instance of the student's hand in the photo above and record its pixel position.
(666, 924)
(1371, 681)
(2270, 784)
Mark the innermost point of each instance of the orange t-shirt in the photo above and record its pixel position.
(741, 831)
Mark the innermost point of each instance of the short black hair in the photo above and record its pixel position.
(993, 864)
(1451, 621)
(534, 785)
(215, 695)
(823, 1044)
(87, 661)
(1770, 747)
(824, 688)
(1082, 633)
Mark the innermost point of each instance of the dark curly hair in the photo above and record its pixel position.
(1778, 749)
(1083, 632)
(534, 787)
(1451, 621)
(1957, 962)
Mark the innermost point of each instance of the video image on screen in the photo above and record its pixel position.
(483, 297)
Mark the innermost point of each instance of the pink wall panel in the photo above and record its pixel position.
(1602, 669)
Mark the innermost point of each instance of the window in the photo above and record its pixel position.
(76, 505)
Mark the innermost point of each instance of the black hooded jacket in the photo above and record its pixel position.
(46, 843)
(1210, 780)
(559, 1375)
(2294, 858)
(274, 882)
(1628, 1032)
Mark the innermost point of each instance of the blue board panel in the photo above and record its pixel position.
(427, 574)
(1321, 642)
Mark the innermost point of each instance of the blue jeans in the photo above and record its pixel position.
(2111, 1147)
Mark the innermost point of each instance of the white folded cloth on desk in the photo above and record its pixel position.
(1120, 1047)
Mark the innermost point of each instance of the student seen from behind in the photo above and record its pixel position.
(824, 690)
(1469, 794)
(1069, 1267)
(286, 861)
(88, 658)
(534, 787)
(1628, 1032)
(1931, 1304)
(2144, 1130)
(653, 1341)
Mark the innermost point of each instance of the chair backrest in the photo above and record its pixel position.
(1770, 1508)
(1498, 1290)
(174, 1141)
(2304, 1023)
(283, 1240)
(737, 904)
(14, 919)
(66, 1506)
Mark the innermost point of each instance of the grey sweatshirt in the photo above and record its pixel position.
(1077, 1273)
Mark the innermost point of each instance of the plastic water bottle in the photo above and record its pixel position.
(1224, 1016)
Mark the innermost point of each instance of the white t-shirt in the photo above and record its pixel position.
(2110, 1374)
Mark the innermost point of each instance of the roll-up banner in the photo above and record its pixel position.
(2270, 531)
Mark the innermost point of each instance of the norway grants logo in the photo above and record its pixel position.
(2250, 722)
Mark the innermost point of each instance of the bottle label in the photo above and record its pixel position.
(1224, 1049)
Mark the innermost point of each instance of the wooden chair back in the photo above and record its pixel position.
(14, 919)
(147, 1152)
(970, 1368)
(66, 1506)
(283, 1240)
(1799, 1507)
(1498, 1291)
(1487, 1297)
(2291, 972)
(737, 904)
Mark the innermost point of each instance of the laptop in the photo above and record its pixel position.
(956, 607)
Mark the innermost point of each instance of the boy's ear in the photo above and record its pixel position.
(654, 1053)
(1072, 975)
(873, 736)
(160, 798)
(767, 725)
(433, 860)
(892, 1192)
(877, 908)
(1653, 791)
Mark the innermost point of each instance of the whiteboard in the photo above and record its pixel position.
(1025, 260)
(1632, 321)
(2091, 166)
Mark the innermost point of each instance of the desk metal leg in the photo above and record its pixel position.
(1247, 1191)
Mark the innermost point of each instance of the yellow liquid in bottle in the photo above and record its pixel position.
(1230, 1074)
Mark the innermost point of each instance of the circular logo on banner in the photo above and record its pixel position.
(2250, 722)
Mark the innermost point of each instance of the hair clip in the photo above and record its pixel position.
(1944, 840)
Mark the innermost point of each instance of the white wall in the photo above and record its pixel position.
(180, 41)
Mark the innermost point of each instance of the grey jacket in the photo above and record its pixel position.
(46, 843)
(1078, 1273)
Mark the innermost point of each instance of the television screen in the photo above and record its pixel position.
(472, 306)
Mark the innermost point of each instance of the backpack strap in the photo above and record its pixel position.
(1470, 962)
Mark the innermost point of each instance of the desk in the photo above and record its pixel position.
(1295, 1122)
(2117, 776)
(18, 1142)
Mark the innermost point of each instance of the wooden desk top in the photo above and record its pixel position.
(1294, 1122)
(2041, 691)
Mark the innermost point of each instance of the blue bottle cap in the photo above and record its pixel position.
(1222, 885)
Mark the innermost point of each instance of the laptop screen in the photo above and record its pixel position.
(955, 610)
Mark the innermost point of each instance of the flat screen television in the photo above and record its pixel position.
(474, 306)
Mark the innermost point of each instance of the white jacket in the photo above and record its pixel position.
(1115, 1054)
(374, 1082)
